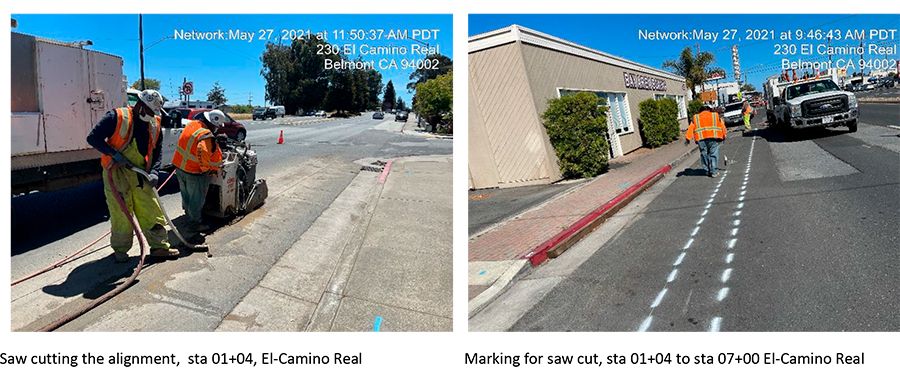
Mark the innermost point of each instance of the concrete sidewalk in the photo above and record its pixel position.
(378, 259)
(498, 256)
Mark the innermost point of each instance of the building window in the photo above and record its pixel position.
(682, 107)
(619, 113)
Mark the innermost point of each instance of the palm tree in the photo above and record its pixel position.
(694, 67)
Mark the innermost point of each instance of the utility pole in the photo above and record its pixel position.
(250, 99)
(141, 38)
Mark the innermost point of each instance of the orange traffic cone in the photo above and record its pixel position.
(281, 137)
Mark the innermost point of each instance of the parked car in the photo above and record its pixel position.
(320, 113)
(278, 111)
(378, 115)
(401, 116)
(263, 113)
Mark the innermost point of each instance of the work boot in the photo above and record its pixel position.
(121, 257)
(714, 175)
(162, 252)
(200, 227)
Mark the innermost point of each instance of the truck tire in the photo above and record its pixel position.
(852, 125)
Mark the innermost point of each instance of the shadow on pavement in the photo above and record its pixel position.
(691, 172)
(96, 278)
(41, 218)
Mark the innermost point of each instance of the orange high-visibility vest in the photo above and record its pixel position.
(706, 125)
(748, 110)
(121, 138)
(188, 156)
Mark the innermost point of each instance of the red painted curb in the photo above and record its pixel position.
(385, 171)
(538, 255)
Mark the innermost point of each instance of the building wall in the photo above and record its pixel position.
(508, 145)
(549, 70)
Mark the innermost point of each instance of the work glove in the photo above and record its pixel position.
(153, 179)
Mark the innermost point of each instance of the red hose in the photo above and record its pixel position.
(130, 281)
(72, 257)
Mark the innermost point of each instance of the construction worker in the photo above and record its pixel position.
(132, 137)
(747, 110)
(196, 158)
(708, 130)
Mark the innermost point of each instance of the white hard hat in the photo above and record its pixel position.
(152, 99)
(215, 117)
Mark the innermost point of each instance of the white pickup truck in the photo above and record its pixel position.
(815, 103)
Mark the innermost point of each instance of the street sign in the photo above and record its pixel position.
(715, 76)
(187, 88)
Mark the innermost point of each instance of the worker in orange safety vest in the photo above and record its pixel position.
(132, 137)
(197, 157)
(708, 130)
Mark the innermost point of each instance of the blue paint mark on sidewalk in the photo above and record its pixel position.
(483, 272)
(377, 326)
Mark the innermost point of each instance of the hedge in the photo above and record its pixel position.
(576, 125)
(659, 121)
(694, 107)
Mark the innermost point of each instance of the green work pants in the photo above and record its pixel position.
(141, 201)
(193, 194)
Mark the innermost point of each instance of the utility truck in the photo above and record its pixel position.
(59, 92)
(815, 103)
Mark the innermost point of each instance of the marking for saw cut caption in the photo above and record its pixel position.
(723, 358)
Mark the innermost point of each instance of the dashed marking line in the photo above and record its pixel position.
(736, 222)
(723, 292)
(731, 243)
(703, 214)
(708, 205)
(737, 213)
(659, 298)
(680, 258)
(740, 206)
(694, 232)
(729, 257)
(700, 221)
(688, 244)
(715, 324)
(734, 231)
(726, 274)
(672, 275)
(646, 324)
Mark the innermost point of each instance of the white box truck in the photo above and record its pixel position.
(59, 92)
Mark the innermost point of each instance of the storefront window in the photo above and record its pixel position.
(682, 107)
(619, 115)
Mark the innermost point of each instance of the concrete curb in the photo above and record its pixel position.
(556, 245)
(518, 269)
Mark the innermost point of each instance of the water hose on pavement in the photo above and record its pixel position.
(128, 282)
(169, 220)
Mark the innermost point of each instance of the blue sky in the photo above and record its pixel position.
(234, 64)
(618, 34)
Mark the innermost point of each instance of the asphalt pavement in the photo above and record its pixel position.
(799, 233)
(312, 167)
(881, 114)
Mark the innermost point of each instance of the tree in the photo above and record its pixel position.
(295, 75)
(747, 87)
(694, 67)
(576, 126)
(401, 105)
(216, 95)
(374, 86)
(434, 66)
(152, 84)
(390, 96)
(434, 100)
(340, 91)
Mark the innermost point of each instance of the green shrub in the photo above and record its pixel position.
(694, 107)
(576, 125)
(659, 121)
